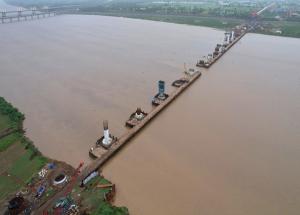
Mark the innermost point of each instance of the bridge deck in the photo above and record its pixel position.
(215, 59)
(133, 131)
(17, 17)
(104, 156)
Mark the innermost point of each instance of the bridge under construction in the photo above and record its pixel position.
(108, 145)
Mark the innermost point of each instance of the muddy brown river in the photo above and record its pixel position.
(229, 145)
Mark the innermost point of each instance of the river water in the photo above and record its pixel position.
(228, 145)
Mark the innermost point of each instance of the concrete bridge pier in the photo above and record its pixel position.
(3, 16)
(33, 11)
(19, 13)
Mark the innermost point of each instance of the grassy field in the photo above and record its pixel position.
(288, 28)
(19, 159)
(7, 187)
(4, 122)
(280, 28)
(5, 142)
(26, 166)
(17, 166)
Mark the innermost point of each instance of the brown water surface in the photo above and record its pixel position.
(228, 145)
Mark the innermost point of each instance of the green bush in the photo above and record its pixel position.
(107, 209)
(7, 141)
(12, 112)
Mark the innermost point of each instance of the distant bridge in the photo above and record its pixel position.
(24, 14)
(33, 13)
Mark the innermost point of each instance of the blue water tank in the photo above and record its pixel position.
(161, 87)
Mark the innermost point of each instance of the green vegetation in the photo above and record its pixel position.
(282, 18)
(7, 186)
(291, 29)
(93, 198)
(198, 8)
(15, 177)
(26, 166)
(282, 28)
(19, 159)
(10, 115)
(107, 209)
(5, 142)
(18, 171)
(4, 122)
